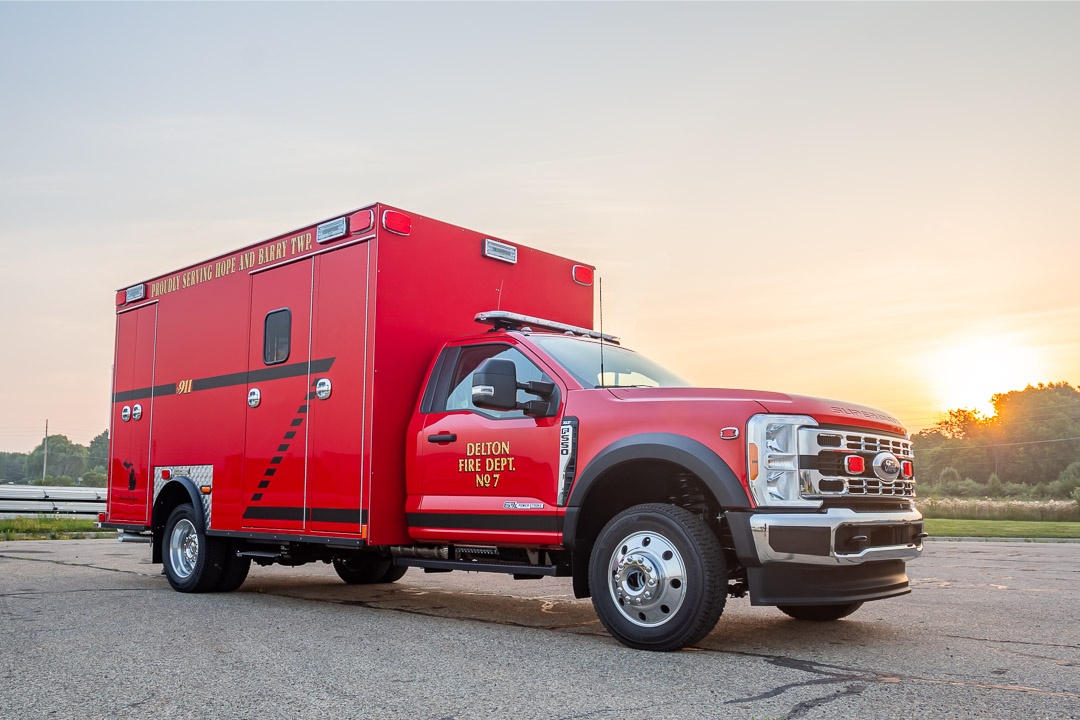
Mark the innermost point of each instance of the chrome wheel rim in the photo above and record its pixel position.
(647, 579)
(184, 548)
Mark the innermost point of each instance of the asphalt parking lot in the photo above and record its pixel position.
(90, 629)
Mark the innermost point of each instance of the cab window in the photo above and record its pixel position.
(459, 391)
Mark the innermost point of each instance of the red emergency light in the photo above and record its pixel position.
(907, 469)
(121, 298)
(397, 223)
(854, 464)
(361, 221)
(583, 274)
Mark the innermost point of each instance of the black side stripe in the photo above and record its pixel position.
(350, 516)
(239, 378)
(462, 521)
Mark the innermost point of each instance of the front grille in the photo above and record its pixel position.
(821, 464)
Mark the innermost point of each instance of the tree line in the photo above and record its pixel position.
(1029, 448)
(69, 463)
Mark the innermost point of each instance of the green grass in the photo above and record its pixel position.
(942, 527)
(47, 528)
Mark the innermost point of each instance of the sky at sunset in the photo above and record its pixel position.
(875, 202)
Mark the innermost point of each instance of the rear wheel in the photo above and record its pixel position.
(234, 573)
(193, 561)
(367, 569)
(819, 613)
(658, 577)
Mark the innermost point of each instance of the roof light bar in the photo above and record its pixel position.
(517, 321)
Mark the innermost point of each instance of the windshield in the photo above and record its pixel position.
(622, 367)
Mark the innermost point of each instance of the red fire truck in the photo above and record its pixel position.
(328, 395)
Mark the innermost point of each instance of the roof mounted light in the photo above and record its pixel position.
(133, 293)
(500, 251)
(361, 221)
(332, 230)
(517, 321)
(582, 274)
(397, 223)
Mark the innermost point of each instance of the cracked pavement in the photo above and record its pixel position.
(90, 629)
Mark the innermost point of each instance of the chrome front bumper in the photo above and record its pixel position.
(836, 537)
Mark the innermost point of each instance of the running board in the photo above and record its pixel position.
(518, 571)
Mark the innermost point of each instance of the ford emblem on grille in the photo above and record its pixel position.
(886, 466)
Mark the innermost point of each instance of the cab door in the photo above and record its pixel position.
(279, 383)
(485, 476)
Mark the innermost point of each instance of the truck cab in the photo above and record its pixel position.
(538, 436)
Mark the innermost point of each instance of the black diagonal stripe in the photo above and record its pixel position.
(465, 521)
(290, 435)
(297, 422)
(245, 377)
(270, 472)
(283, 447)
(264, 484)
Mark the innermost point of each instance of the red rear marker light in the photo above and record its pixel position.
(907, 469)
(101, 517)
(583, 274)
(166, 474)
(396, 222)
(854, 464)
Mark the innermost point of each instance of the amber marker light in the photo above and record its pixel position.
(752, 451)
(204, 489)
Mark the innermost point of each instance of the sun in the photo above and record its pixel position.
(968, 372)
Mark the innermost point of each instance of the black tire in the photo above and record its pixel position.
(819, 613)
(367, 569)
(193, 561)
(663, 550)
(395, 573)
(235, 572)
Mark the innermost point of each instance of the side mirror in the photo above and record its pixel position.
(495, 385)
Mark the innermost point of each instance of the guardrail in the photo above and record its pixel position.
(49, 500)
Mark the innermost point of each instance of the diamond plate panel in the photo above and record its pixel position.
(198, 474)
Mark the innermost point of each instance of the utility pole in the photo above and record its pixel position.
(45, 464)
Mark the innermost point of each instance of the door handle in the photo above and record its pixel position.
(442, 438)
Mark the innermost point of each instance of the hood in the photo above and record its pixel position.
(826, 412)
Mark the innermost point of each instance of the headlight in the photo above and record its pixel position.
(773, 459)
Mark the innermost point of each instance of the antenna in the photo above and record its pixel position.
(600, 282)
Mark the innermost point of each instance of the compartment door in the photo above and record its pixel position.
(337, 448)
(278, 388)
(130, 492)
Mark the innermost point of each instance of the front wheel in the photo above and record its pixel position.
(819, 613)
(193, 561)
(658, 577)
